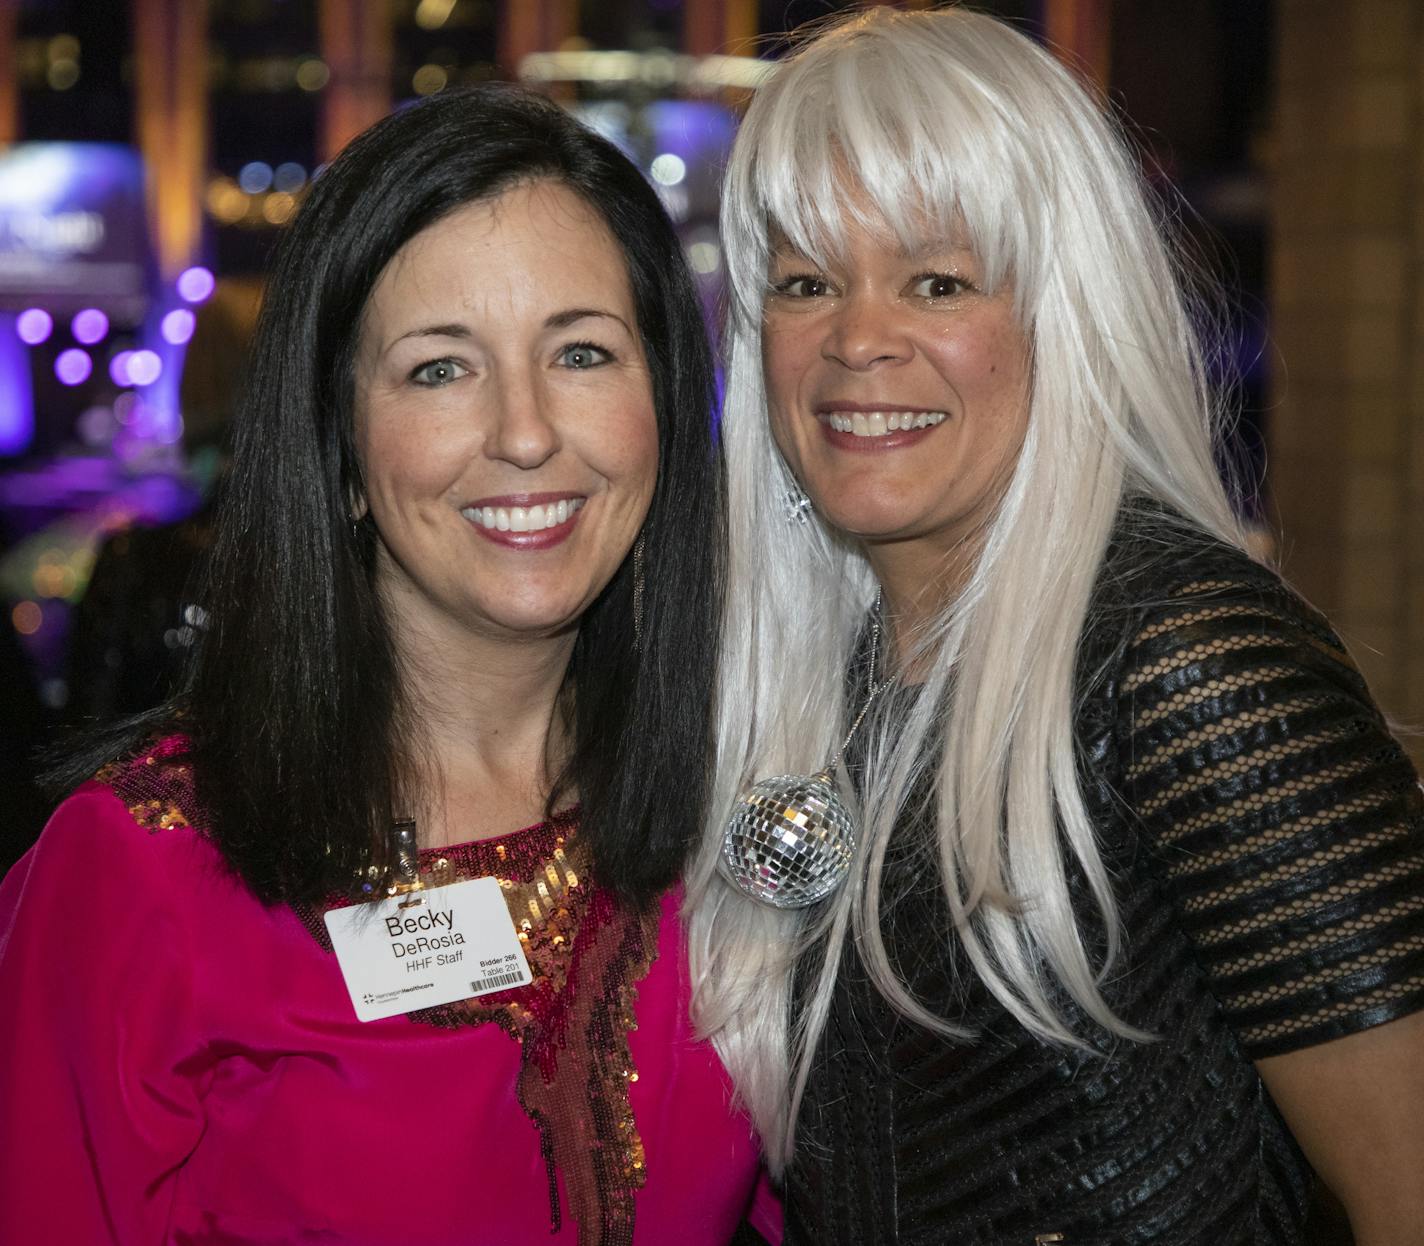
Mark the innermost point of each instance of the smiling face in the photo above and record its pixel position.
(504, 417)
(898, 388)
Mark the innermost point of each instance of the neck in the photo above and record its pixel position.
(489, 726)
(918, 583)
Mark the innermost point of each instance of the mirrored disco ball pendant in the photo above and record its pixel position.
(790, 841)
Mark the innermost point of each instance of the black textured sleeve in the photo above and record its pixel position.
(1288, 823)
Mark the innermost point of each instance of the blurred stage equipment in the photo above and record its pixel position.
(171, 67)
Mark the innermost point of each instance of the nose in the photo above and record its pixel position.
(865, 333)
(523, 432)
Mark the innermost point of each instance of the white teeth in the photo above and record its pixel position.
(524, 518)
(880, 423)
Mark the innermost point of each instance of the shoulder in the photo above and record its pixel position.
(1175, 604)
(1157, 559)
(135, 827)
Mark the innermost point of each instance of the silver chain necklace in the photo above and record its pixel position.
(790, 839)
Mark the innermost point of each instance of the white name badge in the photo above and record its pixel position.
(427, 947)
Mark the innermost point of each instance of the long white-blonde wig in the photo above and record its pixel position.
(952, 120)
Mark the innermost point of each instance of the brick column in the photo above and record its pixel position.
(1347, 423)
(9, 83)
(356, 45)
(527, 26)
(171, 97)
(728, 27)
(1079, 31)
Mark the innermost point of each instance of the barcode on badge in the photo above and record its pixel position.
(481, 985)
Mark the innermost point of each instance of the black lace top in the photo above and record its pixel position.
(1266, 836)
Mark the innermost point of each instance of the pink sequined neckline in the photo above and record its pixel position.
(538, 832)
(530, 845)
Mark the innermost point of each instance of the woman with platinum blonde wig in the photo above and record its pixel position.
(1131, 938)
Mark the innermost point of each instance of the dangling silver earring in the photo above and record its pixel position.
(796, 504)
(638, 592)
(791, 837)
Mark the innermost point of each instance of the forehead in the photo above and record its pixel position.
(863, 226)
(855, 239)
(536, 240)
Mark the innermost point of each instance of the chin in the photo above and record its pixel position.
(872, 521)
(535, 619)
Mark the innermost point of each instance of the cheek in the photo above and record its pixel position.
(988, 366)
(784, 367)
(624, 449)
(400, 464)
(787, 353)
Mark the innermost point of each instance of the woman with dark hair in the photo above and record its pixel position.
(285, 968)
(1131, 938)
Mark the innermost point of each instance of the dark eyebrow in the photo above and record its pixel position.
(435, 330)
(570, 315)
(559, 320)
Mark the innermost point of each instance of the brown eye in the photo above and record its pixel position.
(802, 286)
(938, 286)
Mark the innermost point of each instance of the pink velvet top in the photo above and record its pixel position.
(180, 1064)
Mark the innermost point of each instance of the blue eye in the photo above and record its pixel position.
(438, 372)
(583, 355)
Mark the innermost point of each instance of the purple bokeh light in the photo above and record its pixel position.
(34, 325)
(196, 284)
(89, 326)
(178, 326)
(73, 366)
(17, 397)
(144, 367)
(119, 368)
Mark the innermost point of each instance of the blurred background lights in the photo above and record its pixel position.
(433, 14)
(676, 201)
(255, 176)
(119, 368)
(170, 432)
(26, 618)
(429, 79)
(195, 284)
(89, 326)
(34, 325)
(73, 366)
(126, 405)
(705, 257)
(177, 326)
(96, 426)
(144, 367)
(277, 208)
(668, 169)
(289, 177)
(312, 74)
(226, 201)
(62, 70)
